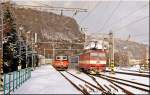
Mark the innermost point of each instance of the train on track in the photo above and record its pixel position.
(61, 62)
(93, 61)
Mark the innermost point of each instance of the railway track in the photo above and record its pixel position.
(137, 83)
(114, 83)
(83, 88)
(124, 90)
(120, 81)
(134, 74)
(77, 87)
(135, 71)
(107, 91)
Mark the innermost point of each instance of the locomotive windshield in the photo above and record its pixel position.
(57, 57)
(61, 58)
(64, 57)
(98, 55)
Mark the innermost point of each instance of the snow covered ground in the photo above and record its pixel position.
(102, 82)
(46, 80)
(142, 80)
(134, 69)
(130, 77)
(78, 83)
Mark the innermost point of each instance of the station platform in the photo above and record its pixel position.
(46, 80)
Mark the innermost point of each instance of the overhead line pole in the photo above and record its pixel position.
(111, 50)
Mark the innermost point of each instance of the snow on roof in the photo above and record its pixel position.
(99, 45)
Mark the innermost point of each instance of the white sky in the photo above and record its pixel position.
(124, 18)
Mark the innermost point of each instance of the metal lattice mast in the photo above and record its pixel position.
(111, 49)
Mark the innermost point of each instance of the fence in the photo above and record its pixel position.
(15, 79)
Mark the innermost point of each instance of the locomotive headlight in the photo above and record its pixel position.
(61, 63)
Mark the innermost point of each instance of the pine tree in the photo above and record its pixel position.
(11, 46)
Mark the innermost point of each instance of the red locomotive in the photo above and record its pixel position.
(93, 61)
(61, 62)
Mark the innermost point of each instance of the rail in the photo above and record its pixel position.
(134, 74)
(123, 83)
(78, 88)
(15, 79)
(94, 86)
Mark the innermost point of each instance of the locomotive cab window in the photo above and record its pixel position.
(58, 58)
(64, 57)
(94, 55)
(102, 55)
(98, 55)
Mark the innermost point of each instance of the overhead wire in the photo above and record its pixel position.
(65, 21)
(112, 15)
(138, 20)
(140, 35)
(126, 16)
(145, 40)
(90, 12)
(131, 24)
(108, 19)
(63, 8)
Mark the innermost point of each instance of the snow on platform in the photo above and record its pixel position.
(46, 80)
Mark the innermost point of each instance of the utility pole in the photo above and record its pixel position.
(32, 41)
(19, 36)
(146, 63)
(27, 42)
(103, 42)
(111, 49)
(44, 56)
(128, 57)
(53, 52)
